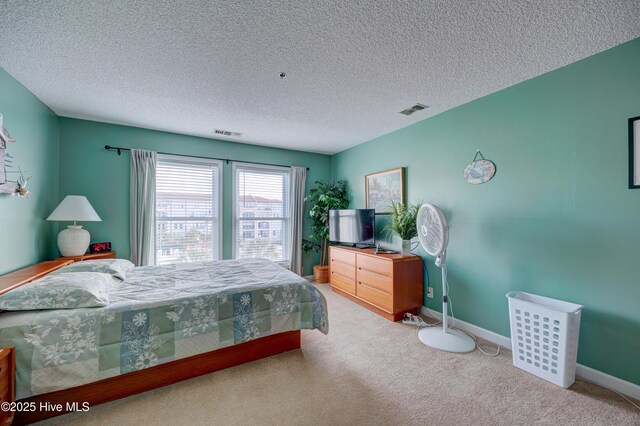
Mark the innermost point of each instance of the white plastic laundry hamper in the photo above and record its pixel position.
(544, 336)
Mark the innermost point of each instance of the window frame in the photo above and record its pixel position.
(186, 159)
(234, 208)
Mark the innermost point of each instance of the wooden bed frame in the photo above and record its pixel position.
(160, 375)
(142, 380)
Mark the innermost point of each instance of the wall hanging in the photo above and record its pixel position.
(19, 186)
(634, 153)
(383, 187)
(479, 171)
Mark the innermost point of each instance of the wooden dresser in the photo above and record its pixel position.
(387, 284)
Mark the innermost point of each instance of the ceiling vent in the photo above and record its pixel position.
(411, 110)
(227, 133)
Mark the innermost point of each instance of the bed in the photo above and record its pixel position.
(162, 325)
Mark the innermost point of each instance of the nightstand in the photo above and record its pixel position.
(7, 382)
(90, 256)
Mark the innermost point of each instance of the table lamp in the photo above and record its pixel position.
(74, 241)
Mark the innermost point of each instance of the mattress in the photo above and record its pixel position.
(159, 314)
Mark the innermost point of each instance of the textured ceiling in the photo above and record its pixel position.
(192, 66)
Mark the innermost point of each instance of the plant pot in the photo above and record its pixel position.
(320, 274)
(406, 247)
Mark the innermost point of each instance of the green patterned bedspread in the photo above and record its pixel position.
(159, 314)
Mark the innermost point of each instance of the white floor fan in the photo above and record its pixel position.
(433, 233)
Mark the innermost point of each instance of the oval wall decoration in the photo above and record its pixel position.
(479, 171)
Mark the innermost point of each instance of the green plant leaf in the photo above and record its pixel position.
(323, 197)
(402, 220)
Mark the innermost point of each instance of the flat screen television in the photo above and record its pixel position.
(355, 226)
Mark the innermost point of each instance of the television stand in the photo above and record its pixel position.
(387, 284)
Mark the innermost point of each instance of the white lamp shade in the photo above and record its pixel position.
(75, 208)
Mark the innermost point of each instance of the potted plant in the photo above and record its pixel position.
(322, 198)
(402, 222)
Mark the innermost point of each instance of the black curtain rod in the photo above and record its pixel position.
(226, 160)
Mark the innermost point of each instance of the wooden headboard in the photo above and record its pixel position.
(30, 273)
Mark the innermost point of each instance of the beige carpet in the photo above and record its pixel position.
(367, 371)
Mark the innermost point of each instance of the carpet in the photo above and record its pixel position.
(366, 371)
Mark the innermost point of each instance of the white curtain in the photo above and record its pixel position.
(297, 181)
(143, 207)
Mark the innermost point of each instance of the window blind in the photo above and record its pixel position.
(187, 209)
(261, 212)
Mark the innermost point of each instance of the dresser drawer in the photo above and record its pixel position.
(342, 282)
(374, 296)
(377, 265)
(343, 256)
(347, 271)
(375, 280)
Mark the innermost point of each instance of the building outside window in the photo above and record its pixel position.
(261, 203)
(187, 209)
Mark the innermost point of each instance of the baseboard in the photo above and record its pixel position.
(595, 376)
(470, 328)
(607, 381)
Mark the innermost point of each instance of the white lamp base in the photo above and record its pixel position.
(73, 241)
(451, 341)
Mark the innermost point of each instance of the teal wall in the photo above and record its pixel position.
(25, 236)
(557, 220)
(103, 177)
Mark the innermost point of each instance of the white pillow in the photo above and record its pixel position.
(118, 268)
(60, 291)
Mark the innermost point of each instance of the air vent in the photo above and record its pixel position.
(227, 133)
(411, 110)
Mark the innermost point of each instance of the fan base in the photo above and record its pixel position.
(451, 341)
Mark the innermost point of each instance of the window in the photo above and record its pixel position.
(187, 209)
(261, 194)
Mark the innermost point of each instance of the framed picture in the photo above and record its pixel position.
(383, 187)
(634, 153)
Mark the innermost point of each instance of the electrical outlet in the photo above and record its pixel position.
(430, 292)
